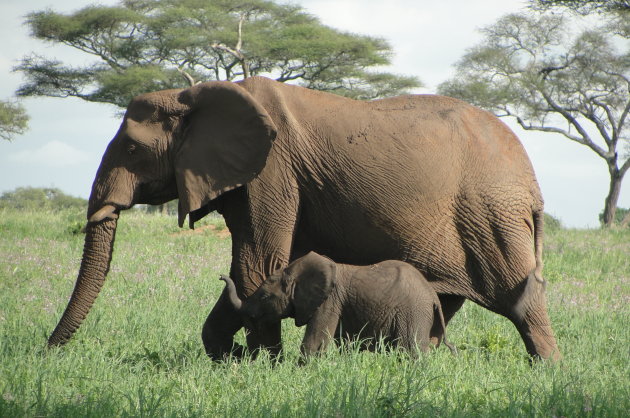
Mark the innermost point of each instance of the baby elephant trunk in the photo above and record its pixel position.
(236, 302)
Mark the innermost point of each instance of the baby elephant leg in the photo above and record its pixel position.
(319, 331)
(433, 326)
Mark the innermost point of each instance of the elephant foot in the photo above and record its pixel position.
(219, 329)
(265, 336)
(221, 347)
(220, 354)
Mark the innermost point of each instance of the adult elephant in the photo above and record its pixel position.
(425, 179)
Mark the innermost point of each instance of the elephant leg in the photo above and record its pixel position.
(219, 329)
(266, 335)
(321, 328)
(530, 317)
(501, 264)
(450, 305)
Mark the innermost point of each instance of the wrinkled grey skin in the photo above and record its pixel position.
(424, 179)
(390, 300)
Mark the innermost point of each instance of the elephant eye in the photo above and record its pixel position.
(131, 149)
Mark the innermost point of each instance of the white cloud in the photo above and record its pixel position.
(52, 154)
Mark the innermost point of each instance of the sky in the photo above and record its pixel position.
(67, 137)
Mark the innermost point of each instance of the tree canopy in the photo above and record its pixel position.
(13, 120)
(148, 45)
(532, 68)
(616, 12)
(585, 6)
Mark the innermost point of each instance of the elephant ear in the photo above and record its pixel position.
(315, 278)
(226, 136)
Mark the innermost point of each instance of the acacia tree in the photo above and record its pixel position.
(617, 12)
(147, 45)
(532, 68)
(584, 6)
(13, 120)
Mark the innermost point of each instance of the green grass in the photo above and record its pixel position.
(139, 352)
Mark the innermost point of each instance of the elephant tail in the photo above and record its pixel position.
(538, 218)
(439, 315)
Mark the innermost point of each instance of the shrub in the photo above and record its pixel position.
(620, 217)
(36, 198)
(552, 223)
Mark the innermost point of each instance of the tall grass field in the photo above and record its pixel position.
(139, 352)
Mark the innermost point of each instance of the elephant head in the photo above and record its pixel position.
(296, 292)
(192, 144)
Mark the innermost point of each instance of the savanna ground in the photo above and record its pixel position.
(139, 352)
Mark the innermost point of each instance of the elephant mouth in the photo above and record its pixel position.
(155, 192)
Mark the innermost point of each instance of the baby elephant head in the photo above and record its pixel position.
(296, 291)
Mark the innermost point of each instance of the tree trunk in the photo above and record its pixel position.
(610, 206)
(245, 65)
(97, 255)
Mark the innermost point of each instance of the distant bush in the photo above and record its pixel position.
(168, 208)
(36, 198)
(620, 216)
(552, 223)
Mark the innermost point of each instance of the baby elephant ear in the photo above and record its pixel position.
(226, 136)
(315, 278)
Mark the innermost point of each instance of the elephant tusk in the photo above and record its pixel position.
(107, 211)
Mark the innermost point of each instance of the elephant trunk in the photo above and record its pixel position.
(97, 255)
(235, 301)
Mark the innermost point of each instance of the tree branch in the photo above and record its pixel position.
(622, 118)
(611, 120)
(530, 127)
(622, 76)
(290, 77)
(225, 48)
(239, 44)
(188, 77)
(601, 127)
(624, 168)
(237, 51)
(585, 138)
(548, 70)
(624, 113)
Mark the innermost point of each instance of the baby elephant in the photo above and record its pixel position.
(391, 300)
